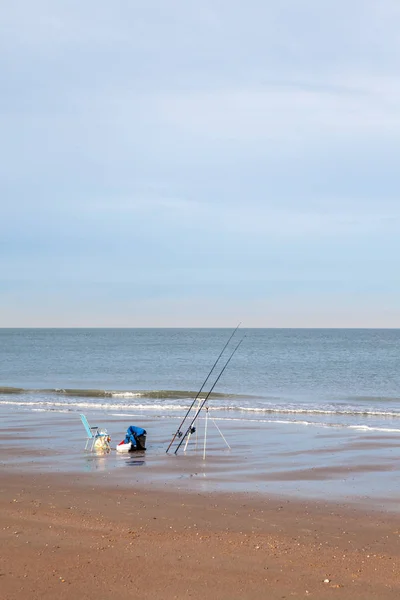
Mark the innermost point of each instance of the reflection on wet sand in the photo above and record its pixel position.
(265, 458)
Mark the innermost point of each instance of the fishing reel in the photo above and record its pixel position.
(192, 430)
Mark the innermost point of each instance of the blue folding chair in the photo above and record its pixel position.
(93, 433)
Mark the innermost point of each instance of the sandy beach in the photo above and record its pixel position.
(83, 525)
(69, 537)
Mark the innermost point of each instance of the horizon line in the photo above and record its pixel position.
(371, 328)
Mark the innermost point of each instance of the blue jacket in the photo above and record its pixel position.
(133, 433)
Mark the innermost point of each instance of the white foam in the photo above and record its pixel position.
(151, 406)
(127, 394)
(97, 405)
(312, 411)
(61, 407)
(368, 428)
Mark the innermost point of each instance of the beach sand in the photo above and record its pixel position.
(71, 537)
(76, 525)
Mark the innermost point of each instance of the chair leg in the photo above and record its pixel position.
(87, 441)
(93, 441)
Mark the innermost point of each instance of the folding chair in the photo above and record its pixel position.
(93, 433)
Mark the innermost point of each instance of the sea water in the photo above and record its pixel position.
(324, 378)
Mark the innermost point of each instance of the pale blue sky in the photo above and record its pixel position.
(185, 163)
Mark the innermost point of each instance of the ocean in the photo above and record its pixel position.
(332, 378)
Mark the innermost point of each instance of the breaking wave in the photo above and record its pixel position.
(73, 402)
(82, 393)
(355, 413)
(316, 411)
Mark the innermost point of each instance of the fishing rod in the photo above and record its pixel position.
(178, 431)
(190, 428)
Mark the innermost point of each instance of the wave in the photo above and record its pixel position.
(97, 406)
(171, 410)
(162, 407)
(94, 393)
(191, 394)
(315, 411)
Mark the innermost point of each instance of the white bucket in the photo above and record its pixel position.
(124, 447)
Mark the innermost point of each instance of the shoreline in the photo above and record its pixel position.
(274, 460)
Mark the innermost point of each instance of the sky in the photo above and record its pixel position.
(185, 163)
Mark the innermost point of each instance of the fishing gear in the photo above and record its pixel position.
(178, 431)
(206, 398)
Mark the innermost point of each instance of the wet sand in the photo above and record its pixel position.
(295, 461)
(273, 518)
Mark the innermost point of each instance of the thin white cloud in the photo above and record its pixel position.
(281, 115)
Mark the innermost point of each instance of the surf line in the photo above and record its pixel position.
(190, 429)
(178, 432)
